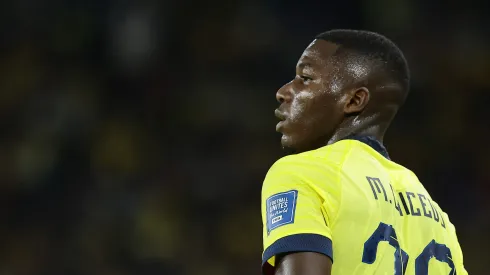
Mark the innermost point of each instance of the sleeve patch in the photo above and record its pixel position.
(280, 209)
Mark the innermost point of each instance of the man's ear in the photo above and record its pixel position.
(359, 98)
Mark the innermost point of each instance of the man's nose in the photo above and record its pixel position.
(284, 93)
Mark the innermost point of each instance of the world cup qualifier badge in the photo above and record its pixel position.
(280, 209)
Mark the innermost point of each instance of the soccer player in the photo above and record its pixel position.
(339, 204)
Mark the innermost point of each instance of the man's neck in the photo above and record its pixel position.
(359, 128)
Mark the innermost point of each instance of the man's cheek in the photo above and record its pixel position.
(296, 112)
(301, 107)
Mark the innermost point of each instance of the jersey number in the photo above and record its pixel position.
(386, 233)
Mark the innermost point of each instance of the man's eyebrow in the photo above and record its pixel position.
(303, 65)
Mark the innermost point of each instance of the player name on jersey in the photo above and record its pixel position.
(418, 204)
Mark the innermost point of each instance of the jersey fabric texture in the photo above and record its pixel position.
(350, 202)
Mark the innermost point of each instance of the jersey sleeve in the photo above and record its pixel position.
(294, 213)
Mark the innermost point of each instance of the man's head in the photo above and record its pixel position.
(347, 82)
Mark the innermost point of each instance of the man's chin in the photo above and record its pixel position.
(289, 151)
(287, 145)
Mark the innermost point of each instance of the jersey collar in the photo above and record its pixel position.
(372, 142)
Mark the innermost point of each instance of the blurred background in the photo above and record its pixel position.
(135, 135)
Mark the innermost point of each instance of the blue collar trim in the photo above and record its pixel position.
(372, 142)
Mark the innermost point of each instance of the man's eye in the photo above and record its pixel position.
(305, 78)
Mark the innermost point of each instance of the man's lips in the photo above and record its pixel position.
(281, 116)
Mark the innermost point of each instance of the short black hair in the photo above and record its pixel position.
(374, 47)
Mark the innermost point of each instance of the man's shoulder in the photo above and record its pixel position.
(330, 157)
(317, 170)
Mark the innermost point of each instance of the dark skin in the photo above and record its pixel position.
(328, 100)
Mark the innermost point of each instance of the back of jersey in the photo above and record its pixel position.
(387, 223)
(351, 203)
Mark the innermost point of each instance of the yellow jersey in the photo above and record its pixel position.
(350, 202)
